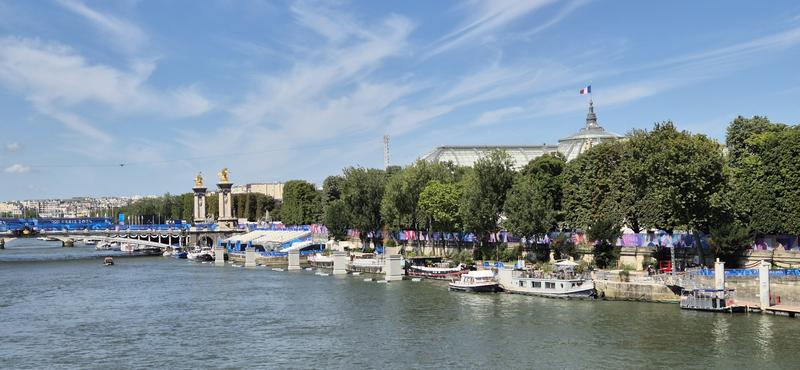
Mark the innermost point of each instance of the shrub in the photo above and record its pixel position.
(605, 255)
(649, 261)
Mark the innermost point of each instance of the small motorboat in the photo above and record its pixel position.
(179, 255)
(108, 261)
(203, 255)
(476, 281)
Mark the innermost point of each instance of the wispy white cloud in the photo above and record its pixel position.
(497, 115)
(731, 56)
(13, 147)
(17, 168)
(562, 13)
(122, 34)
(57, 81)
(486, 17)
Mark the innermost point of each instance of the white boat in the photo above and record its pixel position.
(204, 254)
(103, 246)
(563, 283)
(127, 248)
(90, 241)
(436, 272)
(167, 253)
(476, 281)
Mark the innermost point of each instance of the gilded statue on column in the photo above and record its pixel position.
(223, 176)
(198, 180)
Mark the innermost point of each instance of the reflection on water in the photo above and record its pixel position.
(764, 336)
(157, 312)
(720, 332)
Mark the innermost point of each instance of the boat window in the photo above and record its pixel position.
(550, 285)
(522, 283)
(537, 284)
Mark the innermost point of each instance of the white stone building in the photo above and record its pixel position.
(571, 146)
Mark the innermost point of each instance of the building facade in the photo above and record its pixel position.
(571, 146)
(274, 189)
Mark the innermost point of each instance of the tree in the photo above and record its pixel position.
(438, 204)
(212, 206)
(764, 187)
(332, 188)
(362, 194)
(263, 203)
(484, 193)
(591, 184)
(533, 205)
(729, 241)
(684, 173)
(336, 219)
(300, 202)
(604, 232)
(399, 207)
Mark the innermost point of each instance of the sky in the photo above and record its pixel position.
(104, 98)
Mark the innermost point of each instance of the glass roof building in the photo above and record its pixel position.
(570, 146)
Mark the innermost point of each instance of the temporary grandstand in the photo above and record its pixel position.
(270, 240)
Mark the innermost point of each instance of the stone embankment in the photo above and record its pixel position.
(633, 291)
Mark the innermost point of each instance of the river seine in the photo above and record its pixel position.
(61, 308)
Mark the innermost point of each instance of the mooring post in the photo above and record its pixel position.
(763, 285)
(392, 268)
(219, 255)
(250, 257)
(294, 260)
(719, 274)
(339, 263)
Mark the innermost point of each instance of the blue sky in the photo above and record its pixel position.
(301, 89)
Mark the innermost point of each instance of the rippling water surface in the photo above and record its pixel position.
(60, 308)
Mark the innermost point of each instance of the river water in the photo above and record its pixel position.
(61, 308)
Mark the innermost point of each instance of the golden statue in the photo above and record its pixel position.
(198, 180)
(223, 176)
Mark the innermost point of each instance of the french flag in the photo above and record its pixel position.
(586, 90)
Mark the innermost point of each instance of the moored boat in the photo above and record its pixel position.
(108, 261)
(476, 281)
(204, 254)
(436, 272)
(179, 255)
(562, 283)
(713, 300)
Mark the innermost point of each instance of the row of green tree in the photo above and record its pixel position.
(661, 178)
(252, 206)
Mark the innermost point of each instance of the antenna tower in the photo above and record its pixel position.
(385, 152)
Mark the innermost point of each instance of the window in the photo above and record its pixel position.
(522, 283)
(537, 284)
(550, 285)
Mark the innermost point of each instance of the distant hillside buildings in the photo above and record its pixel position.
(68, 208)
